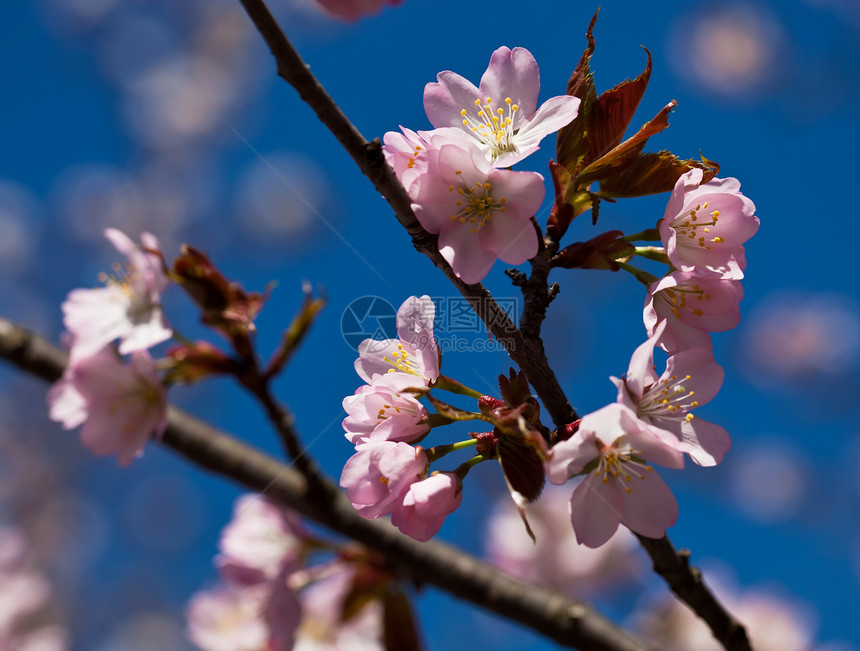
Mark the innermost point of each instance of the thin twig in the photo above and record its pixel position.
(527, 353)
(686, 581)
(569, 622)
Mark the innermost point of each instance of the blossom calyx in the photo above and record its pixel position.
(226, 306)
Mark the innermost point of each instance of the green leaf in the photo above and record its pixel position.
(653, 173)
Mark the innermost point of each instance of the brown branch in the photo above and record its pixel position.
(569, 622)
(527, 353)
(686, 581)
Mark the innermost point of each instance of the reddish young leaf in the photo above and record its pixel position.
(627, 151)
(653, 173)
(612, 113)
(571, 142)
(600, 252)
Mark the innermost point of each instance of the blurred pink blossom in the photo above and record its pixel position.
(773, 623)
(119, 406)
(354, 9)
(555, 559)
(260, 541)
(128, 308)
(24, 594)
(321, 627)
(233, 618)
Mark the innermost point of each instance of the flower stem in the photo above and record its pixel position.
(648, 235)
(439, 451)
(445, 383)
(463, 469)
(657, 253)
(642, 276)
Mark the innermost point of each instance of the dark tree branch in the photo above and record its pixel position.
(569, 622)
(686, 581)
(527, 353)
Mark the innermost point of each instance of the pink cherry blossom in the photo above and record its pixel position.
(500, 115)
(426, 505)
(692, 378)
(692, 306)
(352, 10)
(379, 412)
(260, 541)
(380, 473)
(622, 487)
(120, 406)
(480, 213)
(413, 358)
(705, 226)
(128, 308)
(409, 153)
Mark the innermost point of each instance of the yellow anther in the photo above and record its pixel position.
(718, 240)
(507, 100)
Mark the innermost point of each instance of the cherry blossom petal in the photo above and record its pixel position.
(596, 510)
(650, 507)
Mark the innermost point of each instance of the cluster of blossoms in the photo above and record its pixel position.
(480, 211)
(267, 600)
(388, 474)
(120, 402)
(455, 173)
(703, 231)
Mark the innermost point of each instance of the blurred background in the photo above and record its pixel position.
(168, 117)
